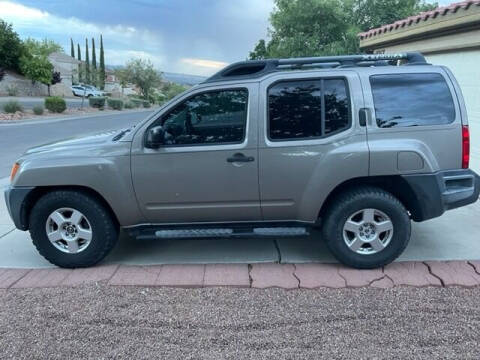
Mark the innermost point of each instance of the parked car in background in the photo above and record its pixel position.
(352, 145)
(86, 90)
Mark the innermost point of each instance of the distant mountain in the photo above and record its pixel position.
(183, 79)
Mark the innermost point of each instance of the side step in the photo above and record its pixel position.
(203, 233)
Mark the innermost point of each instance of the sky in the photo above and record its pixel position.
(185, 36)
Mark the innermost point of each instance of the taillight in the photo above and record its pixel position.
(465, 147)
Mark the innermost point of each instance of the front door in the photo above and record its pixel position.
(207, 170)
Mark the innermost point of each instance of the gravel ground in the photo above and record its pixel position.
(98, 321)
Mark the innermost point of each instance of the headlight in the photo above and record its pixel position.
(14, 171)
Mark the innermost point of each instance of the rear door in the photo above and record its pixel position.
(311, 140)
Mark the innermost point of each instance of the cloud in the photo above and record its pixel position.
(122, 42)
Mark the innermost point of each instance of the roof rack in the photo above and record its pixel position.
(256, 68)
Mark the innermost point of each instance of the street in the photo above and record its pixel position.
(18, 137)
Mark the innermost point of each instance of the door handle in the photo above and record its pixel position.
(364, 117)
(239, 157)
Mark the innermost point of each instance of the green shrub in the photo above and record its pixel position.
(55, 104)
(146, 104)
(38, 110)
(12, 107)
(137, 102)
(97, 102)
(12, 90)
(129, 105)
(116, 104)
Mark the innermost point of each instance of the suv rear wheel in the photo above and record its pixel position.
(366, 228)
(72, 229)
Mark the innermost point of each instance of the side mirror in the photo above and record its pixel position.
(155, 137)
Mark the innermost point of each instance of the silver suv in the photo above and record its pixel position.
(357, 146)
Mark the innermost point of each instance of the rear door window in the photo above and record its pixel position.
(306, 109)
(403, 100)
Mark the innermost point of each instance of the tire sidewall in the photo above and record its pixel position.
(101, 229)
(400, 238)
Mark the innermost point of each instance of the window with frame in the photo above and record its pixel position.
(305, 109)
(213, 117)
(403, 100)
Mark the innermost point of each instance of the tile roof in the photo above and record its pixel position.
(423, 16)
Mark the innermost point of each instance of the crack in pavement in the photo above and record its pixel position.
(474, 267)
(295, 275)
(250, 279)
(434, 275)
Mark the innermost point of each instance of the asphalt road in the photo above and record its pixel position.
(29, 102)
(102, 322)
(16, 138)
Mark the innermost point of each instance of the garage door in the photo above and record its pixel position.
(465, 65)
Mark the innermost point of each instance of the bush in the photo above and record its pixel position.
(12, 107)
(12, 90)
(38, 110)
(116, 104)
(96, 102)
(146, 104)
(55, 104)
(129, 105)
(137, 102)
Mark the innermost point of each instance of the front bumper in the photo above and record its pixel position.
(441, 191)
(16, 197)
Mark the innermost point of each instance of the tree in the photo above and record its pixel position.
(101, 75)
(80, 66)
(142, 73)
(72, 49)
(34, 63)
(260, 51)
(37, 68)
(87, 64)
(94, 74)
(328, 27)
(2, 74)
(11, 47)
(43, 47)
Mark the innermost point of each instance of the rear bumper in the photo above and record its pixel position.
(443, 191)
(16, 205)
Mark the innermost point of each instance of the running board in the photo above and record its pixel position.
(205, 233)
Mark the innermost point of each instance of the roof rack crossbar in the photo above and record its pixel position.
(257, 68)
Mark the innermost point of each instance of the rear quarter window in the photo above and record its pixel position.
(403, 100)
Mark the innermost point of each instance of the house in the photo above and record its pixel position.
(67, 66)
(448, 35)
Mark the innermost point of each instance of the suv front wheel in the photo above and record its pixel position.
(72, 229)
(366, 228)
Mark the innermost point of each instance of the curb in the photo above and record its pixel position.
(57, 119)
(260, 276)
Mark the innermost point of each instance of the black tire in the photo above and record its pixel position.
(352, 201)
(104, 228)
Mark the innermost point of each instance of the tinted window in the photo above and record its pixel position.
(411, 100)
(305, 109)
(209, 118)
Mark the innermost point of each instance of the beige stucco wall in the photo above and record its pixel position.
(451, 42)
